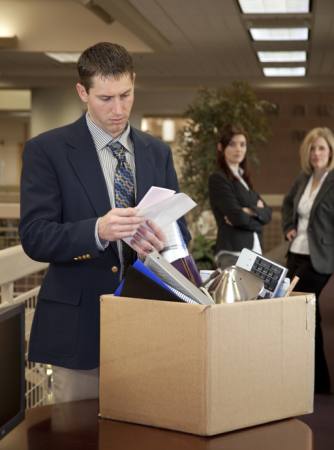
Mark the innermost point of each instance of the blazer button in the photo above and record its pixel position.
(114, 269)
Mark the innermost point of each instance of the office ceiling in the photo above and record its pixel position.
(175, 43)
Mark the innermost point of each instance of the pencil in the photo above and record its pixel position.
(292, 285)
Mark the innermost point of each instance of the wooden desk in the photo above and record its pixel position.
(75, 426)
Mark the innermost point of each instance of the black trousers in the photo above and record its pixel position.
(312, 281)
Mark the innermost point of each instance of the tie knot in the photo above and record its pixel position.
(117, 150)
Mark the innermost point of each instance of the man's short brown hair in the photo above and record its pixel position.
(104, 59)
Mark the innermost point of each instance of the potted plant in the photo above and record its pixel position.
(210, 111)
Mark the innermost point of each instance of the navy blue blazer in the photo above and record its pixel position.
(320, 231)
(63, 192)
(227, 198)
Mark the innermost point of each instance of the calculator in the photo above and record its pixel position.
(270, 272)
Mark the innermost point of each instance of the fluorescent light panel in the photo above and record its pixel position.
(288, 56)
(279, 34)
(64, 57)
(274, 6)
(284, 71)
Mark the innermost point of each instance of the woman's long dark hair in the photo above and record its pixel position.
(226, 135)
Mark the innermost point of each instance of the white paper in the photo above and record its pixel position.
(163, 207)
(168, 210)
(155, 195)
(175, 247)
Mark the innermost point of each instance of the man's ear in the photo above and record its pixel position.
(81, 90)
(219, 147)
(133, 79)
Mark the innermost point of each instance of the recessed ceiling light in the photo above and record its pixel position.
(64, 57)
(274, 6)
(279, 34)
(284, 71)
(289, 56)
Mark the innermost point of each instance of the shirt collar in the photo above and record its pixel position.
(101, 138)
(322, 179)
(236, 172)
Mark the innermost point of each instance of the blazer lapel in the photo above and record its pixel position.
(83, 156)
(84, 159)
(326, 185)
(144, 164)
(85, 162)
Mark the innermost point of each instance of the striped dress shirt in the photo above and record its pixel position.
(108, 165)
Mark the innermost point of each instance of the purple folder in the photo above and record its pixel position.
(188, 268)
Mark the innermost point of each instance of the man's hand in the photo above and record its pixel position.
(148, 237)
(260, 203)
(119, 223)
(290, 235)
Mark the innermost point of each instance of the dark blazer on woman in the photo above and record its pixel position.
(227, 198)
(320, 230)
(63, 192)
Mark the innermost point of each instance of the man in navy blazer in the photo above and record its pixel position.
(69, 218)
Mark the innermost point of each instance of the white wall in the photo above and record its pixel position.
(15, 99)
(167, 102)
(12, 138)
(53, 107)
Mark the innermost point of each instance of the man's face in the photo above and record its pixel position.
(109, 102)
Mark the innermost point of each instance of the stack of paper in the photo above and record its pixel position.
(163, 207)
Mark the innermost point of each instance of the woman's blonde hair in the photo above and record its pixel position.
(305, 148)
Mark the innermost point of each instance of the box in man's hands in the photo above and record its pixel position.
(206, 369)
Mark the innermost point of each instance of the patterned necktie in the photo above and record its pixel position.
(123, 179)
(124, 192)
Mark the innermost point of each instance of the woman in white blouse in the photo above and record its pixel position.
(308, 224)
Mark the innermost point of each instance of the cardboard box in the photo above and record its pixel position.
(206, 369)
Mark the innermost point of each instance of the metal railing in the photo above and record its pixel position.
(19, 283)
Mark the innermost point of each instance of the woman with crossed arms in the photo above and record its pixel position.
(239, 211)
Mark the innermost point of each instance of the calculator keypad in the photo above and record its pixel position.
(268, 272)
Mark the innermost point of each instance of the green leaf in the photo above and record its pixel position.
(212, 109)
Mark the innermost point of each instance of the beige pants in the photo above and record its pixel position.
(70, 385)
